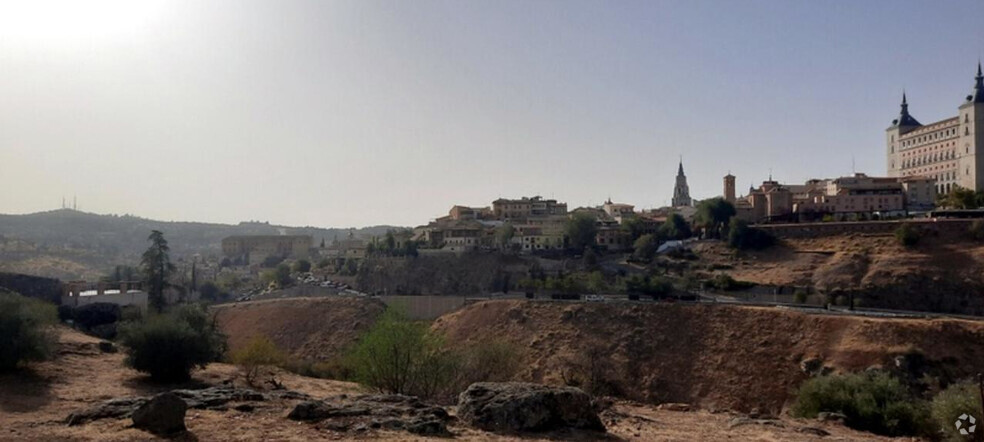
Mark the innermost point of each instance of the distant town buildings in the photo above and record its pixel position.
(945, 151)
(846, 198)
(254, 249)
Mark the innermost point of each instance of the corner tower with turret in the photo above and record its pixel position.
(945, 151)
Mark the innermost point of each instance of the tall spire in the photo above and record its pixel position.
(977, 95)
(904, 118)
(680, 169)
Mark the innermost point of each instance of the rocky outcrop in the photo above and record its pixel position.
(163, 414)
(365, 412)
(212, 398)
(519, 407)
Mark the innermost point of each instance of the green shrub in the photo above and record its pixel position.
(168, 346)
(799, 296)
(907, 235)
(949, 404)
(741, 236)
(259, 353)
(26, 332)
(278, 276)
(871, 401)
(648, 285)
(399, 356)
(723, 281)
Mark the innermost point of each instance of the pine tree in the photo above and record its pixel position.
(157, 268)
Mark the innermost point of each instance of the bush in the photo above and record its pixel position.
(723, 281)
(907, 235)
(956, 400)
(260, 352)
(168, 346)
(648, 285)
(399, 356)
(741, 236)
(976, 230)
(25, 330)
(799, 296)
(875, 402)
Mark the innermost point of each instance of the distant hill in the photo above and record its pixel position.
(71, 244)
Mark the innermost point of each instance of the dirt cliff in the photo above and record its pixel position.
(716, 356)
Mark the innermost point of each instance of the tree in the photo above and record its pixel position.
(581, 231)
(959, 198)
(741, 236)
(713, 215)
(210, 291)
(675, 227)
(280, 276)
(504, 235)
(157, 268)
(122, 273)
(634, 227)
(645, 247)
(302, 266)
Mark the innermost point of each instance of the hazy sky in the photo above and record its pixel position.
(350, 113)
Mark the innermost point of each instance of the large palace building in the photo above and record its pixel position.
(950, 151)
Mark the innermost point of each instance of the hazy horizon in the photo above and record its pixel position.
(360, 113)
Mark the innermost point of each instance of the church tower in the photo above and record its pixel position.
(729, 188)
(681, 192)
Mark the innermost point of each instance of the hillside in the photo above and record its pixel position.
(941, 274)
(35, 403)
(717, 356)
(69, 244)
(312, 329)
(714, 355)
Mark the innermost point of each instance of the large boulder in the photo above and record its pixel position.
(519, 406)
(164, 414)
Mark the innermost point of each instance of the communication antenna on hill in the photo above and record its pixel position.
(75, 205)
(63, 202)
(853, 170)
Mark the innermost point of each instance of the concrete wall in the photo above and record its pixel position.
(425, 307)
(138, 299)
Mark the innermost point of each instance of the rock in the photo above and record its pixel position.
(813, 431)
(372, 412)
(119, 408)
(107, 347)
(674, 407)
(309, 411)
(519, 406)
(428, 427)
(164, 414)
(825, 416)
(213, 398)
(739, 421)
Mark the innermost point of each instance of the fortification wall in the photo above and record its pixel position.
(816, 230)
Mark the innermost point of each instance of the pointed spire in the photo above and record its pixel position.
(977, 94)
(680, 169)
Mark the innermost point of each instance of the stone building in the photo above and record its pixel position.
(526, 207)
(681, 192)
(254, 249)
(945, 151)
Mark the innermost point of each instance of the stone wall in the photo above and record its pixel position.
(48, 289)
(816, 230)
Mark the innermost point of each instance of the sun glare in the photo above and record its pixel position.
(52, 21)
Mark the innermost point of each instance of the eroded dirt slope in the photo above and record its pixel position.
(720, 357)
(314, 329)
